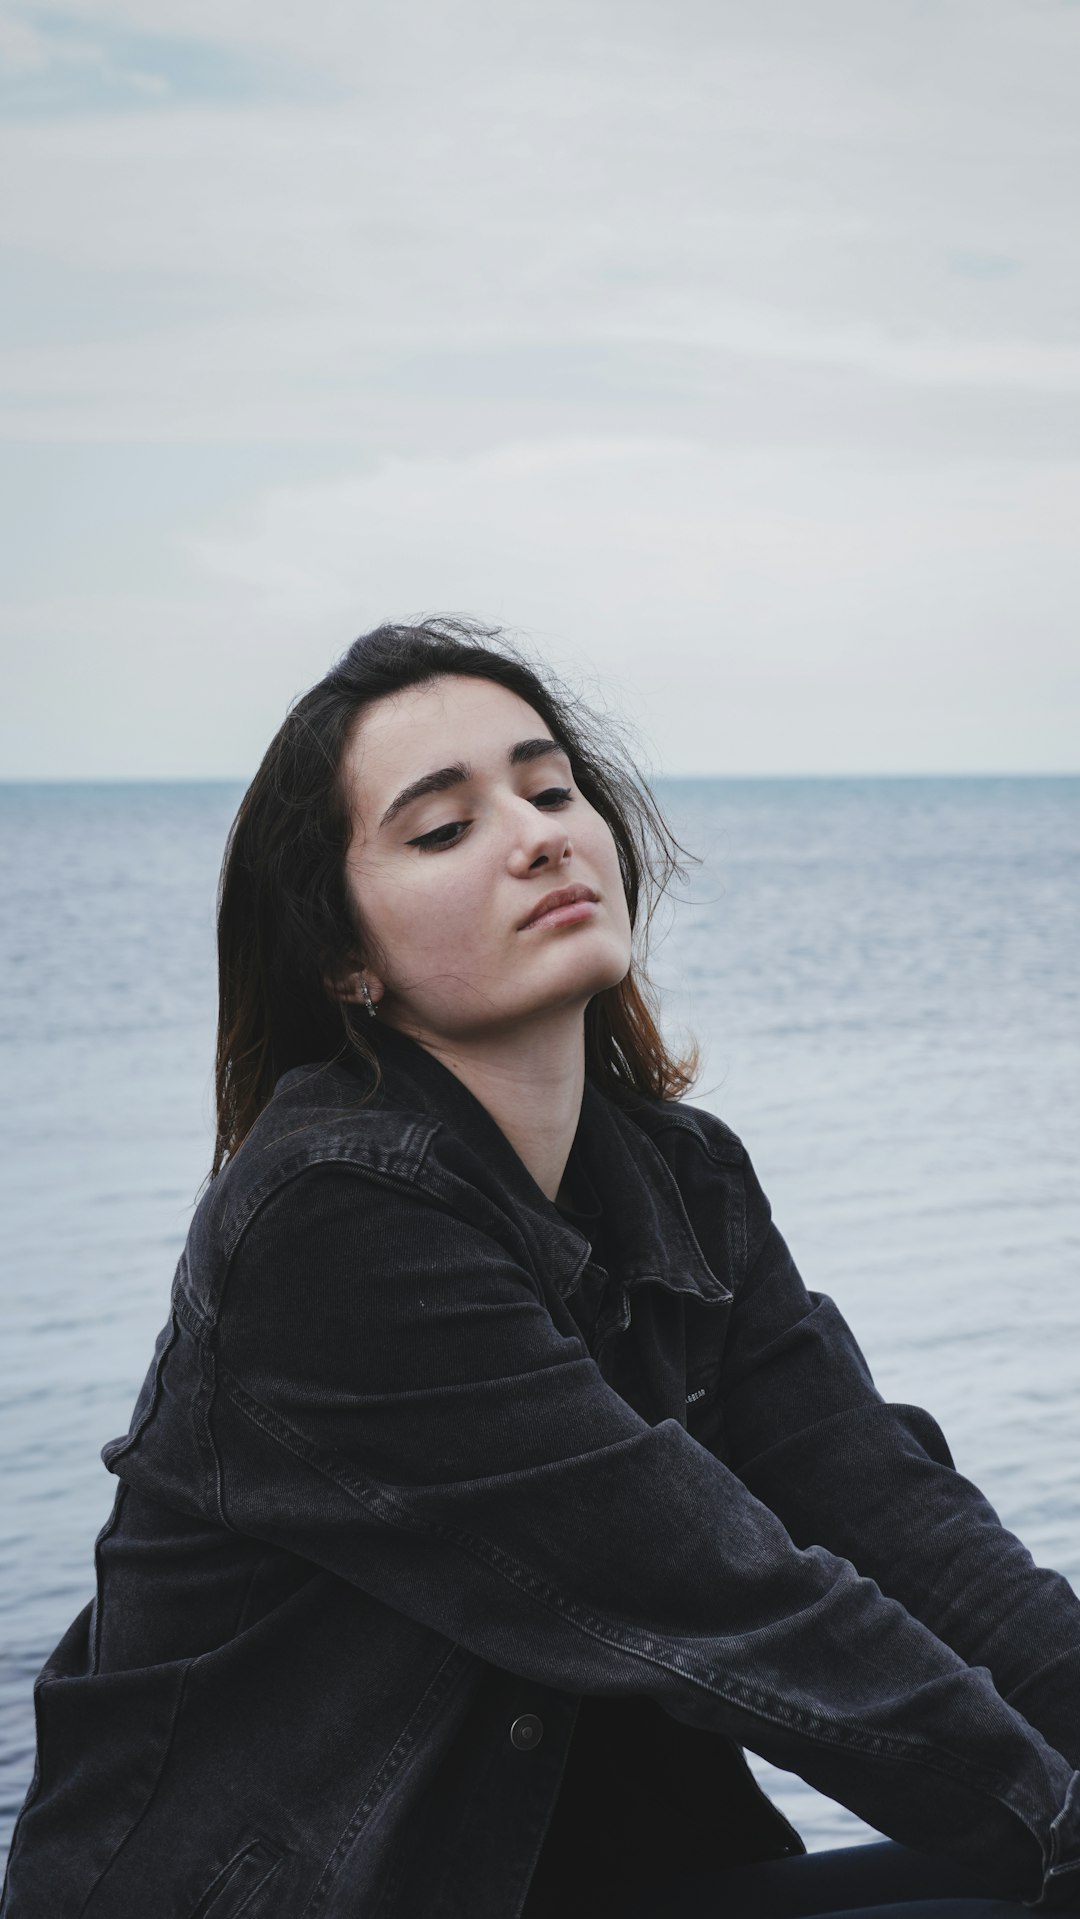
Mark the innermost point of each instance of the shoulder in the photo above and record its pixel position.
(322, 1148)
(328, 1139)
(714, 1173)
(674, 1123)
(702, 1151)
(319, 1116)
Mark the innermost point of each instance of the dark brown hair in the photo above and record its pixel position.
(285, 921)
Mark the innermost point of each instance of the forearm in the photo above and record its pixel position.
(876, 1484)
(808, 1432)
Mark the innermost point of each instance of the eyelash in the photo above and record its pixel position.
(431, 843)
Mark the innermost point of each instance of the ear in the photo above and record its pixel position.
(350, 986)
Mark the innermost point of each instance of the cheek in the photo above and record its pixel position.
(432, 908)
(613, 890)
(600, 850)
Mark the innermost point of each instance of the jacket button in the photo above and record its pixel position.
(527, 1731)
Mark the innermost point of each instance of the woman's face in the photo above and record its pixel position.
(441, 882)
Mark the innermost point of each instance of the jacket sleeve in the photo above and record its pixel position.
(395, 1403)
(875, 1483)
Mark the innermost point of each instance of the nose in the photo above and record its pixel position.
(542, 837)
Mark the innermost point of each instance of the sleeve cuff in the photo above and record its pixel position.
(1061, 1867)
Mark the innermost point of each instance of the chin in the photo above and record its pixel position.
(587, 981)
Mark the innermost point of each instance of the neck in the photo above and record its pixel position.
(531, 1082)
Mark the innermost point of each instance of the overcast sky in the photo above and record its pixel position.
(727, 350)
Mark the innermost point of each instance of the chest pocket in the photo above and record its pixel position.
(704, 1409)
(706, 1327)
(662, 1351)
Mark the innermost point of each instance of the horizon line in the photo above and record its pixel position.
(241, 779)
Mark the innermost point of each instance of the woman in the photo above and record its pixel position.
(495, 1480)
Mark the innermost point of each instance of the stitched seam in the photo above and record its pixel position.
(395, 1759)
(109, 1526)
(131, 1438)
(734, 1157)
(189, 1315)
(683, 1122)
(271, 1868)
(220, 1884)
(332, 1152)
(437, 1192)
(204, 1437)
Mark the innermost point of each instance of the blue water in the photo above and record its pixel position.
(882, 975)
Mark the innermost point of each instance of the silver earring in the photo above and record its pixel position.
(368, 1001)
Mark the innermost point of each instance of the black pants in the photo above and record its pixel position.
(885, 1880)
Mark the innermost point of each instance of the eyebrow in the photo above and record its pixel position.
(459, 773)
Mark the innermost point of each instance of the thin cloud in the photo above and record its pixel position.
(779, 297)
(56, 66)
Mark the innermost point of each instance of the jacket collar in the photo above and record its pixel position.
(614, 1169)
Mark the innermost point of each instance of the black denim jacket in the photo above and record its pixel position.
(414, 1473)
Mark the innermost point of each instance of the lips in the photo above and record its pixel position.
(565, 896)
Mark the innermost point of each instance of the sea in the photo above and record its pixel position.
(881, 976)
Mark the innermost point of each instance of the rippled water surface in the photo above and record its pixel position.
(882, 976)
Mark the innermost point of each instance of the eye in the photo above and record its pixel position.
(434, 841)
(430, 842)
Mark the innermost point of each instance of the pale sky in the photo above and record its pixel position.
(728, 351)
